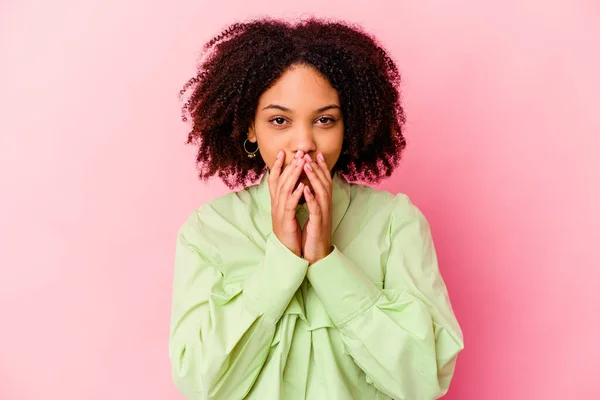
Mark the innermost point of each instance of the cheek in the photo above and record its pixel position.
(331, 150)
(268, 159)
(331, 160)
(268, 152)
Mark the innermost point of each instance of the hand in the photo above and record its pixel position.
(316, 236)
(284, 199)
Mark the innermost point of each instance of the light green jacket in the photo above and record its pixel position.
(251, 320)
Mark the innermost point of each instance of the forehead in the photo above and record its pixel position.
(300, 87)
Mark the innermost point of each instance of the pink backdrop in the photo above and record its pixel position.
(503, 129)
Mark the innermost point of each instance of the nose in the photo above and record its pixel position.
(304, 140)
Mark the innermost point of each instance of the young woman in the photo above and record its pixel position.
(305, 286)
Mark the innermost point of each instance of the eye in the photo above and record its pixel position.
(326, 120)
(279, 121)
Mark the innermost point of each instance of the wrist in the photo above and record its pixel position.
(320, 256)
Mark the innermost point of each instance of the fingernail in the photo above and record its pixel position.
(308, 167)
(298, 154)
(300, 186)
(299, 162)
(320, 157)
(279, 154)
(307, 158)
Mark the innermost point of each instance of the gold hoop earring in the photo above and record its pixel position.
(251, 154)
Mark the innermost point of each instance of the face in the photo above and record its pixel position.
(300, 111)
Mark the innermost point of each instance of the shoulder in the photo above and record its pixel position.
(396, 206)
(376, 211)
(224, 214)
(394, 216)
(229, 202)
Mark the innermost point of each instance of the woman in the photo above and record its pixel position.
(305, 286)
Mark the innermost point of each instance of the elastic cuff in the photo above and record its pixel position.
(342, 287)
(273, 284)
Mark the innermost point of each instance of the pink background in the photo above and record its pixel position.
(503, 126)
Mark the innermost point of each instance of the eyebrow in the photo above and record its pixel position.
(285, 109)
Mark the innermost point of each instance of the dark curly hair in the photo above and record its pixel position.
(247, 58)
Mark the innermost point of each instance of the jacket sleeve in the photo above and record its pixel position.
(404, 336)
(220, 334)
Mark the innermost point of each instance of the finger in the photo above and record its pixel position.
(287, 183)
(320, 173)
(275, 172)
(292, 201)
(313, 206)
(324, 167)
(318, 185)
(277, 167)
(289, 169)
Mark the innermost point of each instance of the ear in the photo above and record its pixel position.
(251, 134)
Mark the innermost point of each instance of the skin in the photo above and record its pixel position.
(299, 129)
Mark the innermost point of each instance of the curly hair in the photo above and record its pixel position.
(247, 58)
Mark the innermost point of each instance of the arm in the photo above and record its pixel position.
(404, 337)
(220, 335)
